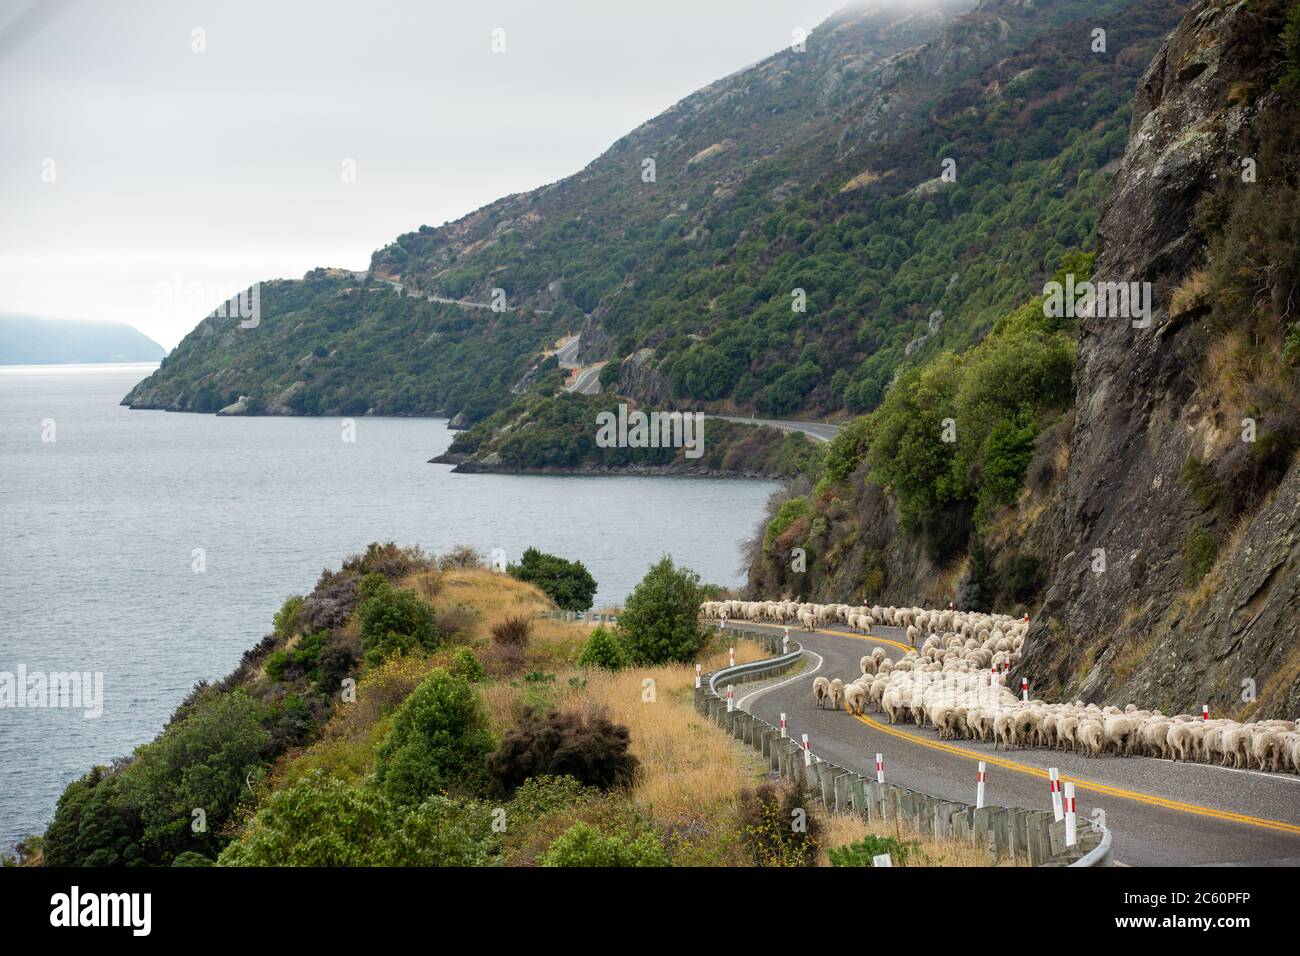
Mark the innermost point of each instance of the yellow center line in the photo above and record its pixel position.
(1083, 784)
(1149, 799)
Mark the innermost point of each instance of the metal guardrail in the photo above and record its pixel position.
(1008, 831)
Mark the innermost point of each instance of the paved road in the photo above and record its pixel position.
(1161, 813)
(821, 431)
(587, 381)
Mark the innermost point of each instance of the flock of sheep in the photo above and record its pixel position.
(954, 683)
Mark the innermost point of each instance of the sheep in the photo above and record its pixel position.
(1091, 736)
(952, 682)
(821, 690)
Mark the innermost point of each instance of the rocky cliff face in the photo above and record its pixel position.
(1125, 617)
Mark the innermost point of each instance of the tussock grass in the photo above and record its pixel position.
(843, 829)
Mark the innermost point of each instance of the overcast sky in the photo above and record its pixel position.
(179, 177)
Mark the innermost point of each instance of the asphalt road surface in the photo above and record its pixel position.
(1161, 813)
(821, 431)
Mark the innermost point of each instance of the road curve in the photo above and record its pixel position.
(821, 431)
(1161, 813)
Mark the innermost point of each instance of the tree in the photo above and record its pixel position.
(660, 622)
(200, 762)
(603, 650)
(395, 621)
(568, 583)
(438, 742)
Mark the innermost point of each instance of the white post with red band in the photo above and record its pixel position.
(731, 656)
(979, 788)
(1024, 688)
(1205, 712)
(698, 669)
(807, 754)
(1071, 829)
(880, 768)
(1054, 781)
(731, 699)
(785, 731)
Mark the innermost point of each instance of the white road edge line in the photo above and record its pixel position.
(763, 690)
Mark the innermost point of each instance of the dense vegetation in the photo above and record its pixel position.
(491, 744)
(951, 444)
(559, 433)
(767, 183)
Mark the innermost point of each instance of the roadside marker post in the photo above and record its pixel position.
(731, 701)
(698, 669)
(1071, 829)
(880, 768)
(731, 656)
(1054, 782)
(1205, 712)
(785, 731)
(979, 788)
(1024, 688)
(785, 641)
(807, 754)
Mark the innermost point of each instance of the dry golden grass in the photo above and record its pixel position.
(864, 178)
(843, 829)
(493, 596)
(1190, 294)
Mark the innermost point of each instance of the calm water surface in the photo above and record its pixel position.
(98, 531)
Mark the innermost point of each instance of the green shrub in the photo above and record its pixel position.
(1199, 552)
(602, 649)
(290, 663)
(438, 742)
(322, 821)
(190, 858)
(537, 796)
(466, 666)
(901, 853)
(568, 583)
(286, 619)
(584, 845)
(394, 621)
(660, 622)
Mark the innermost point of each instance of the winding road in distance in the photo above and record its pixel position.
(1160, 813)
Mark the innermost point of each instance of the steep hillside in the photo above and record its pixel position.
(1151, 523)
(817, 171)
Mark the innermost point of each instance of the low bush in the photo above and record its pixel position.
(778, 827)
(589, 748)
(394, 622)
(603, 650)
(863, 852)
(583, 845)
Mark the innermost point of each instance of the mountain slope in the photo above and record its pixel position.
(1151, 521)
(814, 170)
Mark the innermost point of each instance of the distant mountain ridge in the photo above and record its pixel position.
(28, 340)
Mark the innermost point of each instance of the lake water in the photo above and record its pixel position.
(98, 531)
